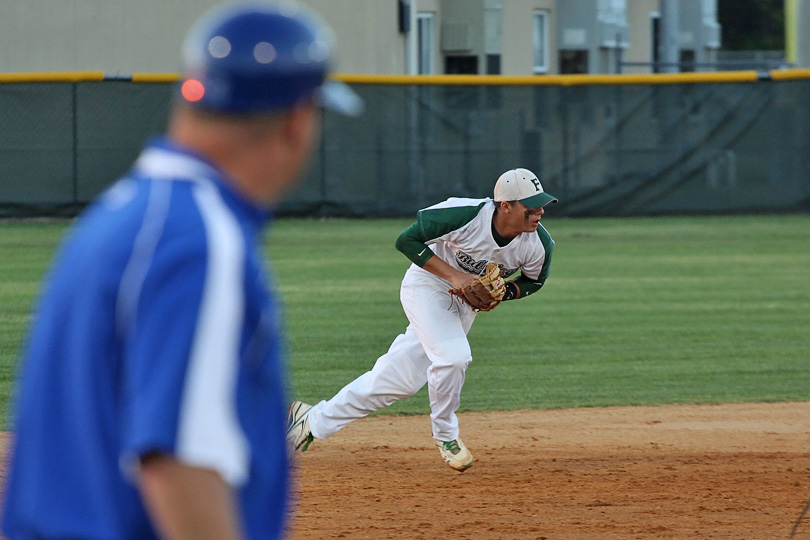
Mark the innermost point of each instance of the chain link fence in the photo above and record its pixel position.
(605, 145)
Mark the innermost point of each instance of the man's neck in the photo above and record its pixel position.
(501, 236)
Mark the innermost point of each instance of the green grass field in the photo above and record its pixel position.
(636, 311)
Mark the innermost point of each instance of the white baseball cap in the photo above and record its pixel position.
(523, 186)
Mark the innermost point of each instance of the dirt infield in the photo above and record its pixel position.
(738, 472)
(697, 472)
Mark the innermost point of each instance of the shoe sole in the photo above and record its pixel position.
(459, 469)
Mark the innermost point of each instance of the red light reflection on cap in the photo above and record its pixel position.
(192, 90)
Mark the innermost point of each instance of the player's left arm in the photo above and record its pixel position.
(524, 285)
(521, 287)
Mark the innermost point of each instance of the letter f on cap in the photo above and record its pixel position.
(522, 185)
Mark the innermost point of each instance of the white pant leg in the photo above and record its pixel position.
(397, 374)
(433, 349)
(441, 325)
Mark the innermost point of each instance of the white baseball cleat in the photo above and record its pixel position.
(455, 454)
(299, 435)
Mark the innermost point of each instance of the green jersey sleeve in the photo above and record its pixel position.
(548, 245)
(432, 223)
(409, 242)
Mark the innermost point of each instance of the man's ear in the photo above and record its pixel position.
(299, 122)
(297, 135)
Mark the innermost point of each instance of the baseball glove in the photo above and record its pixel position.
(485, 292)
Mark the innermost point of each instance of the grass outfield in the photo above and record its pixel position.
(636, 311)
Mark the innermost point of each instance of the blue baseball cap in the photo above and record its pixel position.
(246, 57)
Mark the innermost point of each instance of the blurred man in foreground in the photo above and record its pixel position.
(151, 401)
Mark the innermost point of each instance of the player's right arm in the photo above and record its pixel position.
(433, 223)
(412, 243)
(437, 267)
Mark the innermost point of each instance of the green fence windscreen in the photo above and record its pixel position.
(602, 149)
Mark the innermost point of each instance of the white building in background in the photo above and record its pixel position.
(508, 37)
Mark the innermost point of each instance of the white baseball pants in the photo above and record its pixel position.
(433, 350)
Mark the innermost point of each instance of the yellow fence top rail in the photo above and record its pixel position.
(579, 80)
(505, 80)
(790, 74)
(470, 80)
(155, 77)
(66, 76)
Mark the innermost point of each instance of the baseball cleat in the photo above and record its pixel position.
(455, 454)
(299, 435)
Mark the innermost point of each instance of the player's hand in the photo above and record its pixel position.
(484, 292)
(460, 280)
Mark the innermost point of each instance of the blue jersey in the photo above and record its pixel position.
(156, 331)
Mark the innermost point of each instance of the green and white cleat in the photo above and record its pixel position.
(299, 435)
(455, 454)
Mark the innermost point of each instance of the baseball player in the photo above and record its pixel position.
(450, 246)
(151, 400)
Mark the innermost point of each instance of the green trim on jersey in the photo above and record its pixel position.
(432, 223)
(410, 244)
(436, 222)
(500, 240)
(548, 245)
(527, 285)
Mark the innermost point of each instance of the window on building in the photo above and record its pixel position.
(655, 36)
(687, 60)
(461, 65)
(493, 64)
(425, 31)
(492, 36)
(540, 41)
(573, 61)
